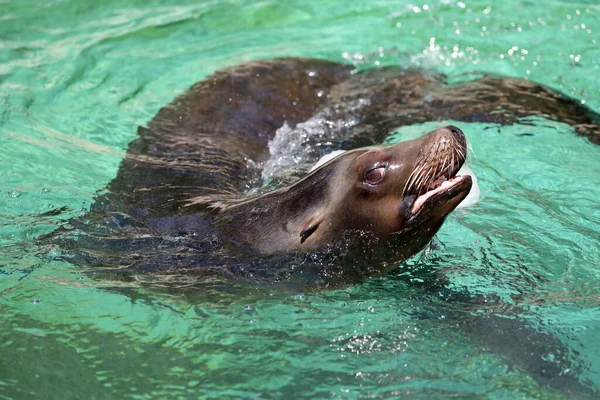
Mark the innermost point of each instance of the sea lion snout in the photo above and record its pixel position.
(449, 133)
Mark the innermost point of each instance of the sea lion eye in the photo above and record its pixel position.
(375, 175)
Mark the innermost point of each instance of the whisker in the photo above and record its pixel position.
(422, 164)
(426, 180)
(470, 152)
(458, 149)
(418, 179)
(408, 181)
(445, 159)
(432, 169)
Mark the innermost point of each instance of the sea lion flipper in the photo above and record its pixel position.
(310, 226)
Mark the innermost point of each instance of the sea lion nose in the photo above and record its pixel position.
(456, 131)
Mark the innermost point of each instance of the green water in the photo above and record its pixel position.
(77, 78)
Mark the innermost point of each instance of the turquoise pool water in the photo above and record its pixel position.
(77, 78)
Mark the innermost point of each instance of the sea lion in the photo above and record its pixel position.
(377, 204)
(178, 204)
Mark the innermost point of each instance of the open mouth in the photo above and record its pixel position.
(443, 189)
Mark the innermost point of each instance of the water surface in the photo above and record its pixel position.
(77, 78)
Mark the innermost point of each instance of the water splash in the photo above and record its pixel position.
(292, 148)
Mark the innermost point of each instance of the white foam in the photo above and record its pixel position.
(290, 148)
(475, 193)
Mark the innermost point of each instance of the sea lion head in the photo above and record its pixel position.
(394, 191)
(396, 195)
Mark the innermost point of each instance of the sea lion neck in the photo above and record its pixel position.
(272, 222)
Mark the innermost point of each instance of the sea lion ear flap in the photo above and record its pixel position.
(310, 226)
